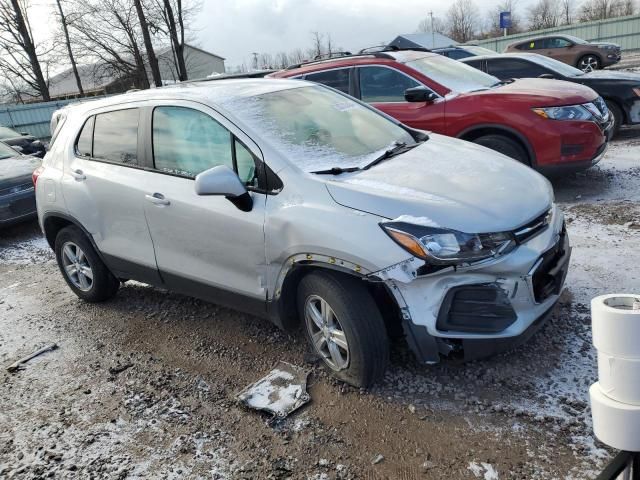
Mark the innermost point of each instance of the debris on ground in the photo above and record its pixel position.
(377, 459)
(119, 368)
(14, 367)
(281, 392)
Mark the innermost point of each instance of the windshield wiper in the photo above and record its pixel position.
(399, 149)
(337, 170)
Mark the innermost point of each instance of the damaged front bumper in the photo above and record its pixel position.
(482, 310)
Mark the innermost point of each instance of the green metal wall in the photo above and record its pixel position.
(32, 118)
(625, 31)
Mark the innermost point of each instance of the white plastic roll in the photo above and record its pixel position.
(615, 322)
(619, 378)
(615, 423)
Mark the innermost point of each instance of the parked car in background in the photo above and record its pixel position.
(571, 50)
(530, 120)
(297, 203)
(25, 143)
(17, 195)
(620, 90)
(458, 52)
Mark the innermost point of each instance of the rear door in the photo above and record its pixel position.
(384, 87)
(104, 186)
(204, 245)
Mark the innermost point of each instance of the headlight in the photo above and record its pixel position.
(442, 246)
(572, 112)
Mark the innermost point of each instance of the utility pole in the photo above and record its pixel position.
(433, 33)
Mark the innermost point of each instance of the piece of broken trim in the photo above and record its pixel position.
(282, 391)
(20, 363)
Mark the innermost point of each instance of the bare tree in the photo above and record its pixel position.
(544, 14)
(297, 56)
(603, 9)
(18, 52)
(64, 24)
(282, 60)
(568, 11)
(317, 47)
(493, 21)
(108, 31)
(265, 61)
(151, 54)
(438, 25)
(462, 20)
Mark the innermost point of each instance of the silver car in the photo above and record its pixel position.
(291, 201)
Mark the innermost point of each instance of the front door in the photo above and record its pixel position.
(104, 188)
(384, 87)
(204, 245)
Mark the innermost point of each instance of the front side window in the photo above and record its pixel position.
(514, 68)
(115, 136)
(381, 84)
(316, 128)
(187, 142)
(338, 79)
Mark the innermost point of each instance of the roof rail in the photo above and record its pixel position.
(378, 52)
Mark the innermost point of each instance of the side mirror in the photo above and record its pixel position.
(547, 75)
(420, 94)
(223, 181)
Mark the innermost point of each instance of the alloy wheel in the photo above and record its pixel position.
(589, 63)
(326, 332)
(77, 267)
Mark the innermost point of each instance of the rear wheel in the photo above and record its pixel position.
(616, 112)
(589, 63)
(504, 145)
(344, 327)
(82, 268)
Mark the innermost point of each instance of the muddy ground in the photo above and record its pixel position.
(143, 386)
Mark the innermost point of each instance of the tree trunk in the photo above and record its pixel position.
(151, 55)
(30, 50)
(63, 20)
(178, 45)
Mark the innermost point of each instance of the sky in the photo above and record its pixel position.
(235, 28)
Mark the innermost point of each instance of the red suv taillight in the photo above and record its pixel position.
(36, 173)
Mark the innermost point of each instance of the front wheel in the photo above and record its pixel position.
(589, 63)
(344, 327)
(82, 268)
(504, 145)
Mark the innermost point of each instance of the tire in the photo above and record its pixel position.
(95, 283)
(589, 63)
(617, 117)
(356, 322)
(504, 145)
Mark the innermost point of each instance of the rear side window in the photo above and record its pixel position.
(338, 79)
(85, 139)
(380, 84)
(115, 136)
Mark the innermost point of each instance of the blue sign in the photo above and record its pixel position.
(505, 19)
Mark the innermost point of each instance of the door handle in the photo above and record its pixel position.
(157, 199)
(78, 175)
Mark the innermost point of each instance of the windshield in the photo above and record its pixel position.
(454, 75)
(476, 50)
(7, 152)
(8, 133)
(319, 129)
(556, 65)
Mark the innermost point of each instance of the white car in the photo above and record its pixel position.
(294, 202)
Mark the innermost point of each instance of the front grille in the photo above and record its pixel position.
(551, 269)
(15, 189)
(533, 228)
(476, 308)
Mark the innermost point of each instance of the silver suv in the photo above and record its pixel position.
(294, 202)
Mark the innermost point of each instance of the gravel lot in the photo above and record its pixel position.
(143, 386)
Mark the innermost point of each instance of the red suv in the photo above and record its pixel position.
(550, 125)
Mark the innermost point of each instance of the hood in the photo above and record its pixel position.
(611, 75)
(543, 92)
(453, 183)
(17, 170)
